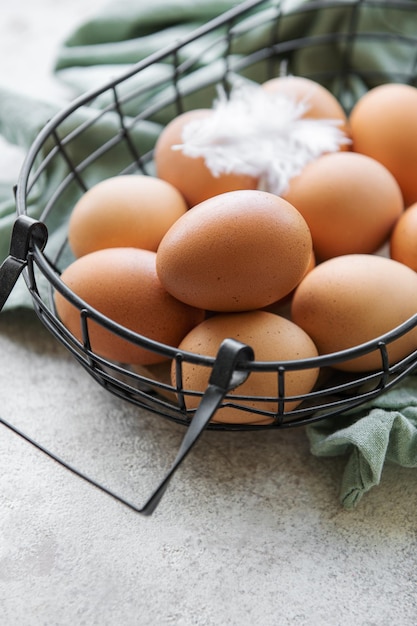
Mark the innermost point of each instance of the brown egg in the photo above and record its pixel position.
(403, 241)
(272, 338)
(384, 126)
(190, 175)
(129, 211)
(322, 104)
(121, 283)
(349, 201)
(236, 251)
(352, 299)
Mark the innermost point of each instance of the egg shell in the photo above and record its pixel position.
(273, 338)
(351, 203)
(122, 284)
(383, 125)
(353, 299)
(190, 175)
(237, 251)
(403, 241)
(132, 211)
(322, 104)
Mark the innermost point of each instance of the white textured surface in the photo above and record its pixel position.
(249, 533)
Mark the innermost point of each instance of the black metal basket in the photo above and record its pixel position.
(258, 40)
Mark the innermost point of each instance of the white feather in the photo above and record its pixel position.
(261, 134)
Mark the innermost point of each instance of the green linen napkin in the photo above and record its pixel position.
(126, 31)
(380, 431)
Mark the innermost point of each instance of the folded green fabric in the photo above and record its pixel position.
(382, 430)
(127, 31)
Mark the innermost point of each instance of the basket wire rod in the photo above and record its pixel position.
(226, 56)
(275, 36)
(179, 382)
(69, 162)
(385, 363)
(86, 335)
(175, 79)
(350, 38)
(281, 392)
(126, 135)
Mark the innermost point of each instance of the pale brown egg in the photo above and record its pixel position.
(383, 125)
(403, 241)
(321, 103)
(352, 299)
(272, 338)
(190, 175)
(129, 211)
(237, 251)
(121, 283)
(350, 202)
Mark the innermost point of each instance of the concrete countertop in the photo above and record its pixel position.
(250, 532)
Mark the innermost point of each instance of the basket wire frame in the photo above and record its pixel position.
(130, 113)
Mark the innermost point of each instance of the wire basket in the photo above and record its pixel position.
(258, 40)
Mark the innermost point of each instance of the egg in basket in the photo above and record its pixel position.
(222, 241)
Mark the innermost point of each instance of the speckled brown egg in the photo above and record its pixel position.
(273, 338)
(383, 125)
(237, 251)
(350, 201)
(122, 284)
(353, 299)
(130, 211)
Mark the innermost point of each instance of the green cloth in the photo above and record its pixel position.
(127, 31)
(383, 430)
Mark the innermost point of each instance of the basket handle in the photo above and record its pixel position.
(27, 232)
(224, 377)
